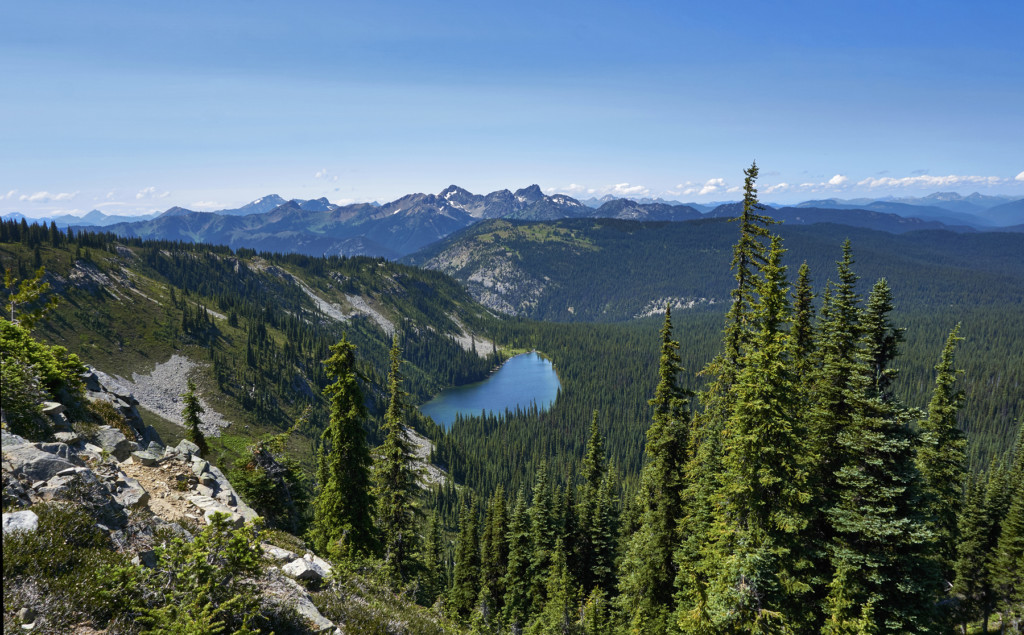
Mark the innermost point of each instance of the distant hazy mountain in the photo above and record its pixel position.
(409, 223)
(259, 206)
(95, 218)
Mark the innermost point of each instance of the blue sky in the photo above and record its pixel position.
(131, 107)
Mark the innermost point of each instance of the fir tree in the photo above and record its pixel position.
(394, 481)
(1007, 565)
(761, 504)
(648, 570)
(435, 576)
(517, 576)
(190, 415)
(493, 557)
(559, 612)
(942, 458)
(342, 524)
(802, 330)
(596, 513)
(463, 593)
(881, 540)
(544, 533)
(972, 584)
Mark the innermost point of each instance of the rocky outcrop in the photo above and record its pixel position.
(24, 521)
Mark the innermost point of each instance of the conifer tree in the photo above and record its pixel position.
(493, 557)
(880, 537)
(558, 614)
(648, 571)
(544, 533)
(434, 575)
(1007, 565)
(942, 459)
(802, 330)
(517, 576)
(761, 504)
(748, 255)
(466, 580)
(972, 584)
(395, 483)
(190, 415)
(595, 546)
(342, 523)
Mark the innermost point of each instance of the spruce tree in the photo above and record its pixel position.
(190, 415)
(558, 614)
(942, 459)
(802, 330)
(544, 533)
(1007, 565)
(596, 547)
(972, 586)
(517, 607)
(493, 557)
(342, 523)
(435, 576)
(394, 481)
(880, 537)
(466, 575)
(648, 571)
(761, 504)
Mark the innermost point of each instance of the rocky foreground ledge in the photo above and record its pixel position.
(134, 486)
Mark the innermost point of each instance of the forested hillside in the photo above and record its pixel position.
(253, 329)
(612, 270)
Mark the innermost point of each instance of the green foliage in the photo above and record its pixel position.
(394, 482)
(466, 571)
(31, 372)
(23, 299)
(190, 415)
(273, 484)
(206, 583)
(68, 570)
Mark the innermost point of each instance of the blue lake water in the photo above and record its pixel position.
(520, 381)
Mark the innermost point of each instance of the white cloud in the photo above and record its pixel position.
(711, 186)
(733, 190)
(1019, 177)
(625, 189)
(39, 197)
(320, 174)
(925, 180)
(780, 187)
(837, 180)
(11, 193)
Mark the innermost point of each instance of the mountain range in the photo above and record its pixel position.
(403, 226)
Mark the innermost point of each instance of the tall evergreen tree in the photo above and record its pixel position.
(1007, 565)
(517, 576)
(558, 615)
(190, 415)
(942, 459)
(394, 481)
(596, 545)
(648, 571)
(465, 585)
(493, 557)
(762, 502)
(544, 533)
(434, 577)
(342, 523)
(881, 541)
(972, 585)
(802, 330)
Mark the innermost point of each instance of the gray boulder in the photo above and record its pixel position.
(111, 440)
(25, 521)
(303, 569)
(30, 461)
(187, 447)
(277, 553)
(147, 459)
(150, 436)
(131, 493)
(285, 592)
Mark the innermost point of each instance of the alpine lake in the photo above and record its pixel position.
(520, 382)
